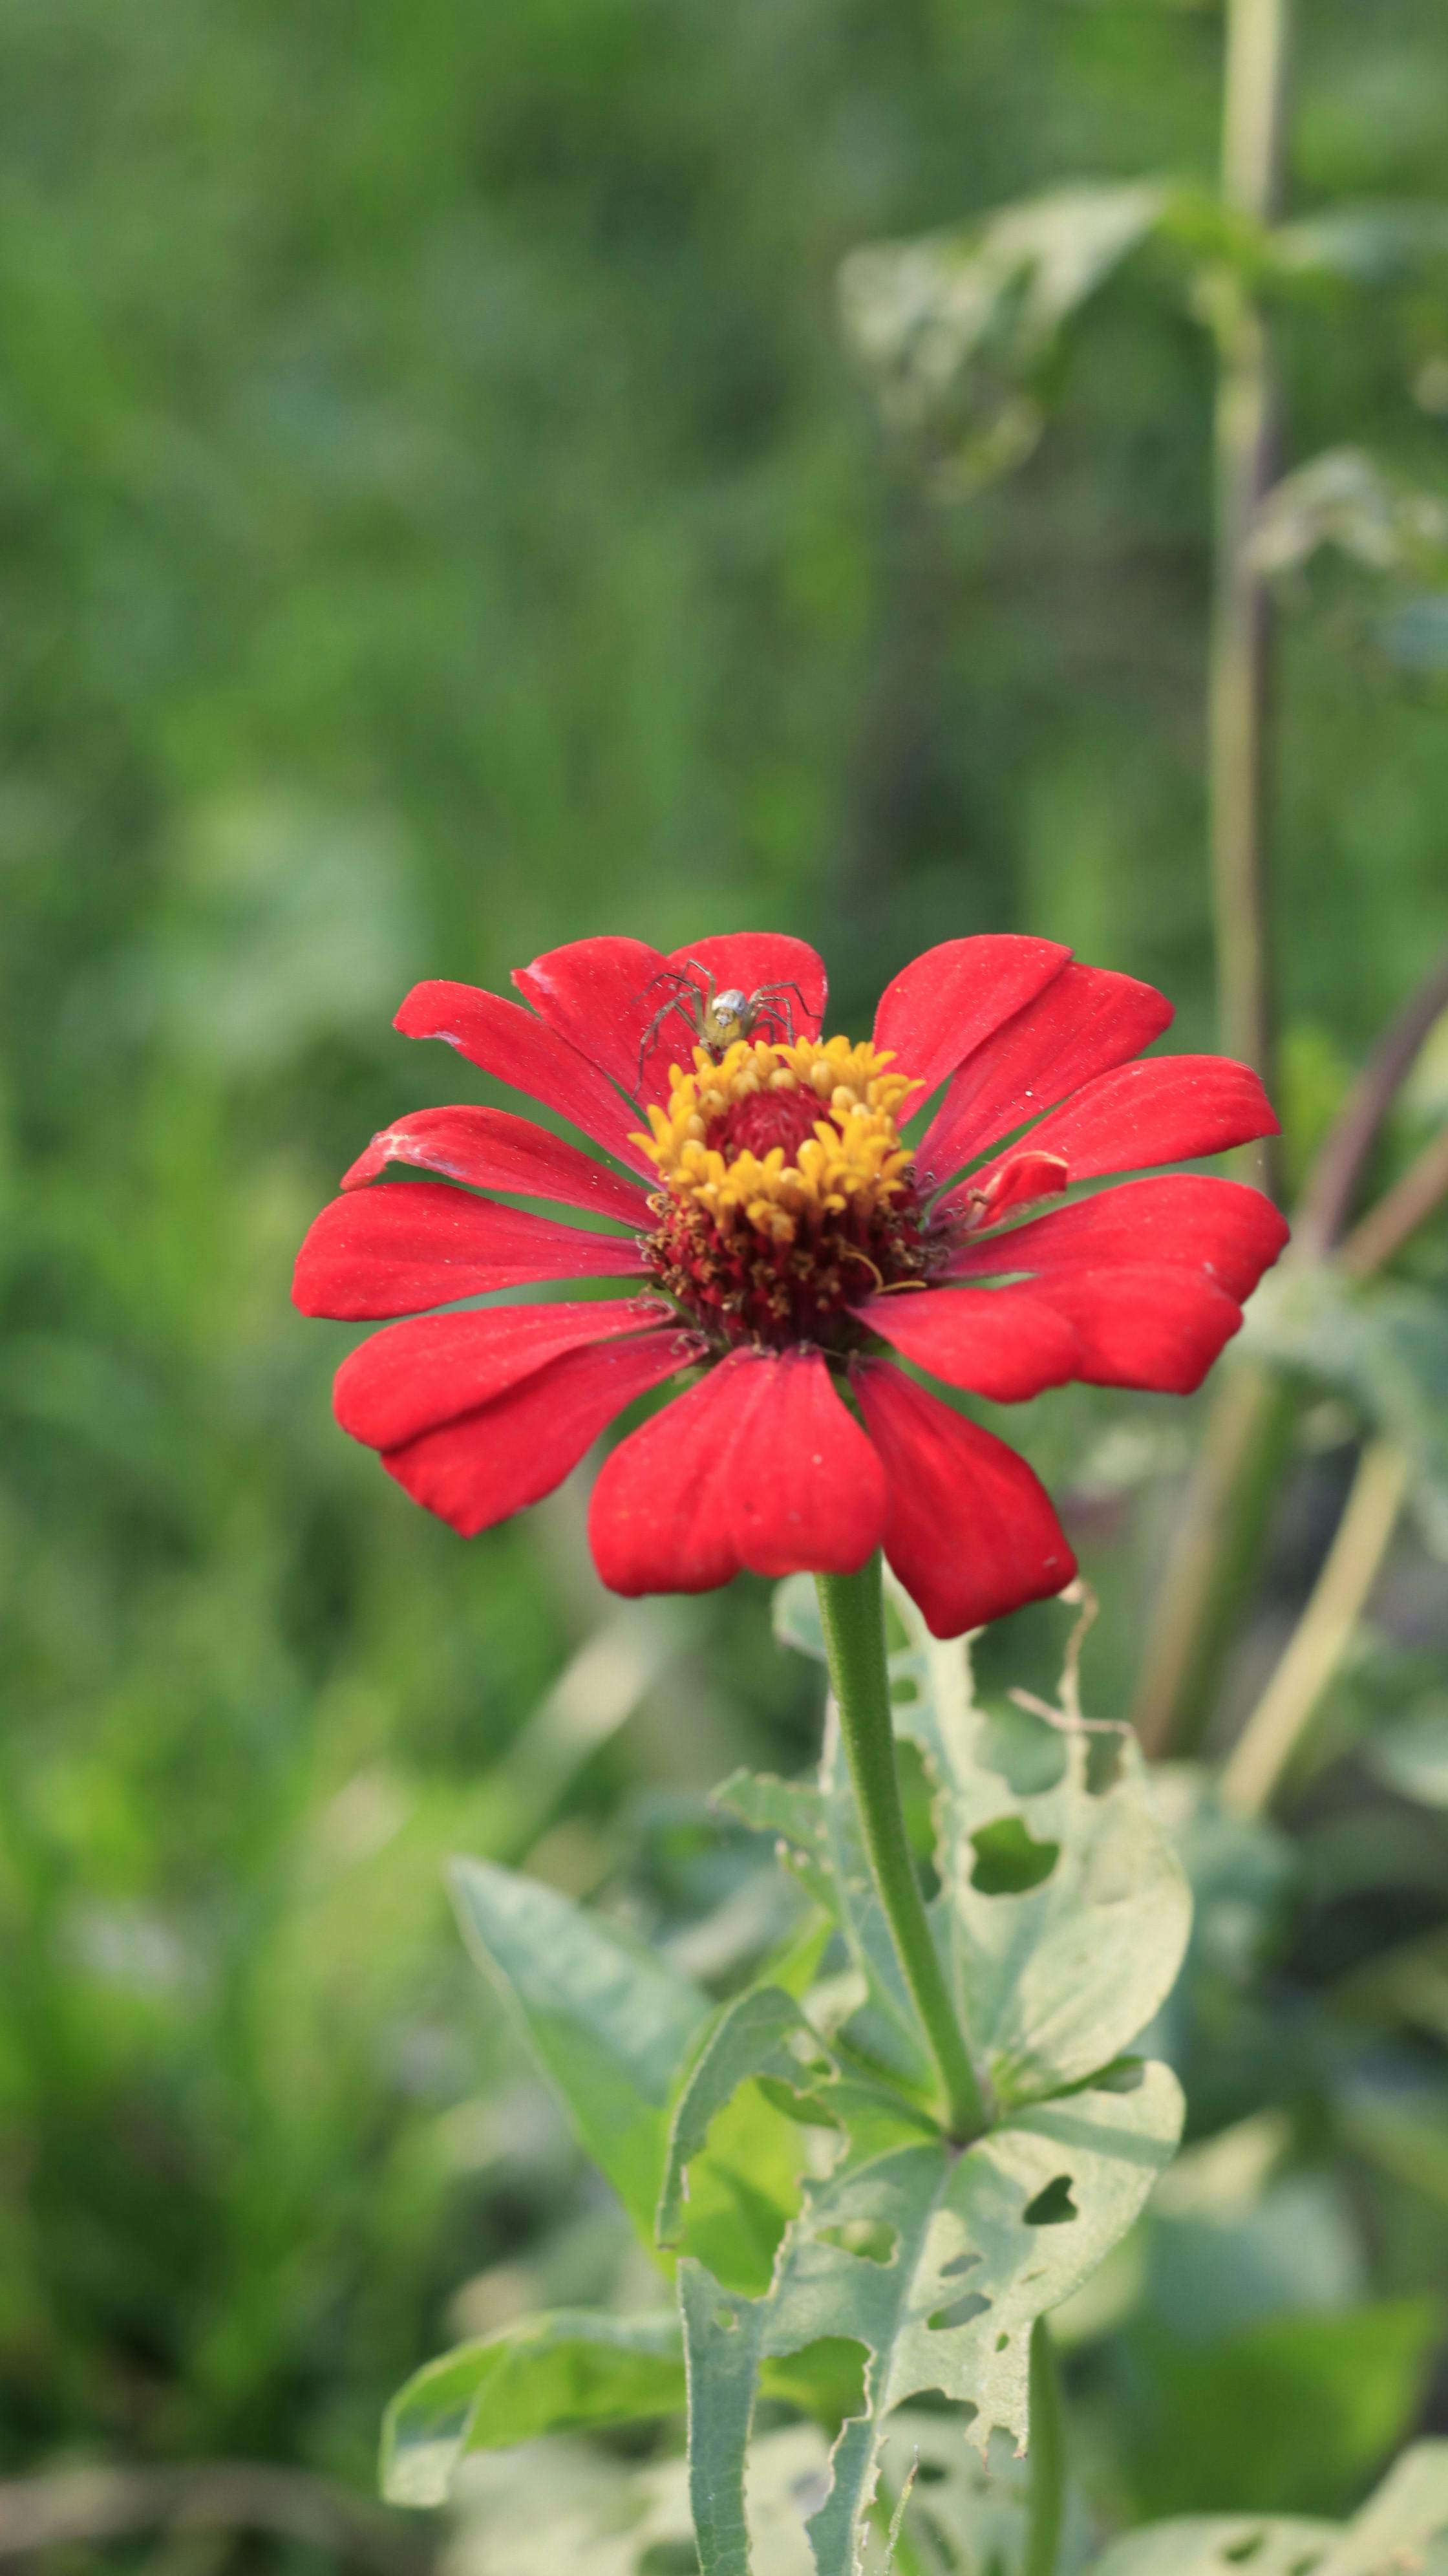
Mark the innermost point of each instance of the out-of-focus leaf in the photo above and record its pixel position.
(1415, 636)
(1216, 2544)
(1412, 1755)
(543, 2374)
(610, 2024)
(961, 327)
(540, 2512)
(1288, 2417)
(1369, 245)
(1403, 2526)
(938, 2263)
(1385, 1345)
(1399, 2526)
(1346, 498)
(1230, 2239)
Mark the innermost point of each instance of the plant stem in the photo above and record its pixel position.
(1045, 2512)
(1213, 1558)
(1330, 1191)
(1323, 1633)
(1246, 467)
(853, 1611)
(1399, 1212)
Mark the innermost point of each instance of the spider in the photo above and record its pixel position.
(716, 1019)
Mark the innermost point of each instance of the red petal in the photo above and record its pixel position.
(488, 1464)
(511, 1044)
(1148, 1324)
(417, 1375)
(1087, 1021)
(408, 1245)
(1005, 1343)
(600, 994)
(633, 1011)
(948, 1002)
(969, 1529)
(1018, 1179)
(1167, 1110)
(1222, 1229)
(760, 1467)
(490, 1149)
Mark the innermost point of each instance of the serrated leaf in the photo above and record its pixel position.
(1053, 1978)
(980, 2244)
(611, 2025)
(540, 2375)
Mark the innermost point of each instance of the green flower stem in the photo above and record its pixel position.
(1048, 2459)
(853, 1612)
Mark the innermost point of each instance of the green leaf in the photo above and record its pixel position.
(540, 2375)
(543, 2510)
(1219, 2544)
(1369, 245)
(1058, 1962)
(1384, 1346)
(611, 2025)
(938, 2263)
(1411, 1756)
(1408, 2513)
(1347, 499)
(762, 2033)
(1396, 2527)
(819, 1831)
(961, 328)
(1290, 2415)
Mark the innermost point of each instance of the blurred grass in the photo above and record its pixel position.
(437, 520)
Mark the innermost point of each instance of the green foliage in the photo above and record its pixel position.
(883, 2236)
(608, 2021)
(546, 2373)
(437, 520)
(1404, 2525)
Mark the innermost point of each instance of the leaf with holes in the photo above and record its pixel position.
(538, 2375)
(611, 2025)
(1063, 1906)
(938, 2263)
(1404, 2525)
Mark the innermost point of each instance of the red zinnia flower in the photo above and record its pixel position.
(791, 1246)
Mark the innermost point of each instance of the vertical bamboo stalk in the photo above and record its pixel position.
(1247, 446)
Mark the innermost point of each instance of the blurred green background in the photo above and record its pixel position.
(440, 518)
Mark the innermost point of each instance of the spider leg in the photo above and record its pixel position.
(671, 975)
(768, 992)
(675, 1002)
